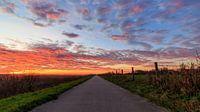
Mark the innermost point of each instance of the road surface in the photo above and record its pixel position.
(98, 95)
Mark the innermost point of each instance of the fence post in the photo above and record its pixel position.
(122, 71)
(116, 72)
(133, 74)
(156, 67)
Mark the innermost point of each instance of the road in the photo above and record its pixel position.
(98, 95)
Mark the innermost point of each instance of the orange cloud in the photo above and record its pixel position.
(119, 37)
(46, 60)
(53, 16)
(52, 59)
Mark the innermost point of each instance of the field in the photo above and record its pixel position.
(27, 101)
(16, 84)
(178, 91)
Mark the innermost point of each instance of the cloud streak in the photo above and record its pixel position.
(70, 35)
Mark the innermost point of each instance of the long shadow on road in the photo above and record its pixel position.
(98, 95)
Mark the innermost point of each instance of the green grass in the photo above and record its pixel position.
(27, 101)
(171, 101)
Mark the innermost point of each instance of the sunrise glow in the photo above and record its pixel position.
(75, 37)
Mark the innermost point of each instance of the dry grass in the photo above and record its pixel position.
(15, 84)
(184, 81)
(177, 90)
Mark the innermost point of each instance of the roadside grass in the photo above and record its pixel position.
(11, 84)
(166, 98)
(27, 101)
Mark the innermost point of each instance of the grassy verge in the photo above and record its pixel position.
(27, 101)
(165, 98)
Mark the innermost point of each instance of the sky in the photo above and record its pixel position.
(96, 36)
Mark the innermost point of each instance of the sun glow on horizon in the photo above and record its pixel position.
(59, 72)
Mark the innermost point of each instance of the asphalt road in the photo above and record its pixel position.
(98, 95)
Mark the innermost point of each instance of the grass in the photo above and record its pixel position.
(27, 101)
(11, 85)
(168, 98)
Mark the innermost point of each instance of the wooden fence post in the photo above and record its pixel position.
(122, 71)
(133, 73)
(156, 67)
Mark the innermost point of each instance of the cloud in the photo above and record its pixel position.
(67, 43)
(46, 10)
(104, 10)
(52, 56)
(144, 45)
(84, 11)
(39, 56)
(7, 7)
(80, 27)
(192, 42)
(99, 2)
(70, 35)
(128, 25)
(42, 56)
(47, 39)
(40, 12)
(102, 20)
(56, 15)
(109, 57)
(158, 39)
(39, 24)
(170, 27)
(84, 1)
(178, 52)
(172, 7)
(119, 37)
(78, 48)
(109, 26)
(2, 46)
(121, 4)
(26, 2)
(136, 9)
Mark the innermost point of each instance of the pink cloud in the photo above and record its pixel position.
(157, 39)
(104, 10)
(46, 10)
(171, 7)
(84, 1)
(122, 4)
(84, 11)
(178, 3)
(56, 15)
(53, 16)
(78, 47)
(136, 9)
(26, 2)
(119, 37)
(9, 7)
